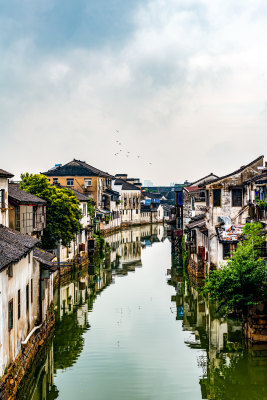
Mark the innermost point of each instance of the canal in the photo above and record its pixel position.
(127, 330)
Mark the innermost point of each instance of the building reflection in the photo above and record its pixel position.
(74, 297)
(230, 369)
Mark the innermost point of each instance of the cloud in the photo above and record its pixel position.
(177, 79)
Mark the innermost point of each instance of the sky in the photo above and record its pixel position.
(181, 84)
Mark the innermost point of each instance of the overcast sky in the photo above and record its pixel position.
(183, 81)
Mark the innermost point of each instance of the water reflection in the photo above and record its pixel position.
(74, 298)
(231, 369)
(143, 339)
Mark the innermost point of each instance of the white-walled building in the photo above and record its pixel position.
(26, 283)
(4, 177)
(214, 229)
(27, 212)
(130, 200)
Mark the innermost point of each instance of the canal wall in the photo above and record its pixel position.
(125, 225)
(20, 367)
(255, 327)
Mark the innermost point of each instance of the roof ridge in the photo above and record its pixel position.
(204, 177)
(127, 183)
(238, 170)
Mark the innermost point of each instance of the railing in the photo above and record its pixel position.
(257, 213)
(28, 221)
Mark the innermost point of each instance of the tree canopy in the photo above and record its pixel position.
(243, 280)
(62, 210)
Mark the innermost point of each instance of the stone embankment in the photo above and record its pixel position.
(255, 328)
(10, 382)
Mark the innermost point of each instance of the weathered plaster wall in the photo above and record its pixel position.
(23, 272)
(4, 212)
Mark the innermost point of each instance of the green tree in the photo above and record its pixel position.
(91, 208)
(62, 210)
(243, 281)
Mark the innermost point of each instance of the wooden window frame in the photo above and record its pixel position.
(217, 190)
(235, 197)
(10, 315)
(2, 198)
(27, 298)
(19, 304)
(10, 271)
(31, 291)
(70, 179)
(87, 184)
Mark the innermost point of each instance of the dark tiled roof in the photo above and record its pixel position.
(80, 196)
(167, 207)
(21, 197)
(43, 257)
(145, 208)
(238, 170)
(197, 224)
(257, 178)
(198, 217)
(5, 174)
(170, 195)
(152, 195)
(111, 192)
(126, 185)
(77, 168)
(205, 178)
(14, 246)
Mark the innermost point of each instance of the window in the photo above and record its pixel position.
(84, 209)
(237, 195)
(27, 298)
(29, 258)
(217, 197)
(228, 249)
(10, 315)
(193, 203)
(42, 289)
(31, 291)
(17, 218)
(10, 271)
(87, 182)
(207, 198)
(136, 211)
(2, 198)
(70, 182)
(55, 180)
(18, 304)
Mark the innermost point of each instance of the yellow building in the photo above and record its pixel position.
(82, 177)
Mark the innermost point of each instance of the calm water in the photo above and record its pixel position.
(129, 331)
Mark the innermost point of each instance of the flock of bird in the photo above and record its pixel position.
(120, 150)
